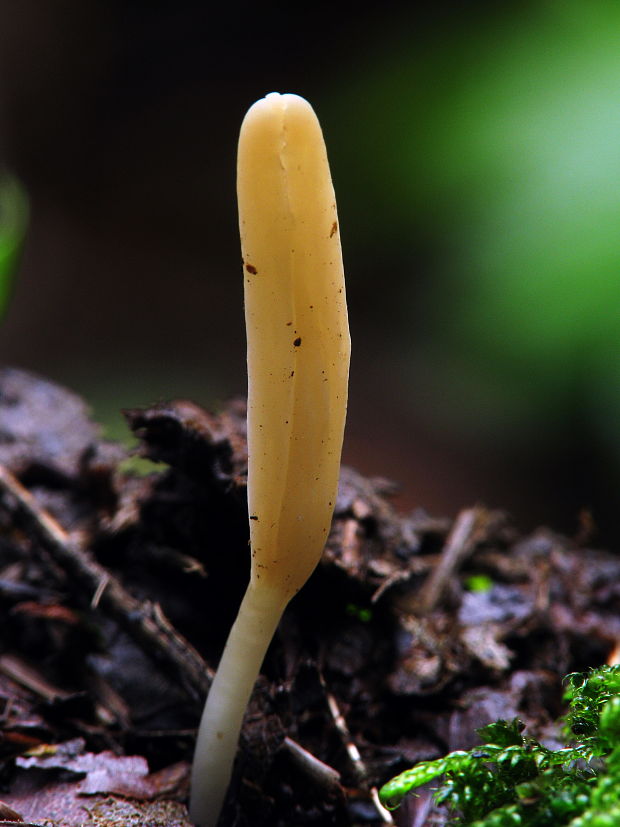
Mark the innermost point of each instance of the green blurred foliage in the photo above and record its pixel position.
(479, 583)
(497, 144)
(13, 219)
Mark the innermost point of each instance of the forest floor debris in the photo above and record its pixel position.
(118, 589)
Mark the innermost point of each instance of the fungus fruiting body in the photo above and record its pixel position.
(298, 364)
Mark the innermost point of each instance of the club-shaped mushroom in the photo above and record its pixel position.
(298, 364)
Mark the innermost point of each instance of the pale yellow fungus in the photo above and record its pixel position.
(298, 365)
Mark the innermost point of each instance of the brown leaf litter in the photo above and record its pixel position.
(118, 591)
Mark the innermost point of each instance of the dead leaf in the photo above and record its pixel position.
(105, 772)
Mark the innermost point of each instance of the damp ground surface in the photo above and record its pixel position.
(121, 570)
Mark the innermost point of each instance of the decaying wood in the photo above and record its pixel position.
(145, 621)
(467, 530)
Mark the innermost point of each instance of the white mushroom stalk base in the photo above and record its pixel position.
(218, 735)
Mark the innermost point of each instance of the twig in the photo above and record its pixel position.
(94, 603)
(325, 776)
(460, 543)
(144, 621)
(386, 815)
(23, 674)
(359, 767)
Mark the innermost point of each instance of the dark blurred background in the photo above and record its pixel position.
(476, 158)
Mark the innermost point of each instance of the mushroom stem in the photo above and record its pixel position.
(218, 735)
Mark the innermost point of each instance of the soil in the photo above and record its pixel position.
(118, 589)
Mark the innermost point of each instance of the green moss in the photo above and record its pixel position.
(512, 780)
